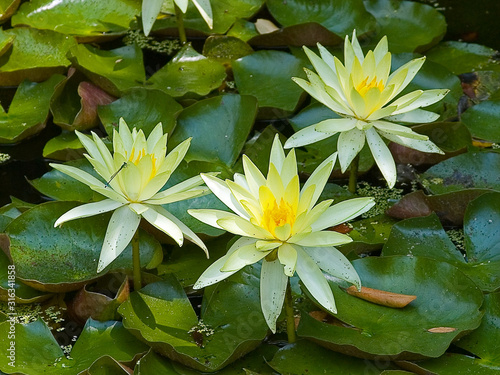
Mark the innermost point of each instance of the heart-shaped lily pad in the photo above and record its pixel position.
(445, 298)
(62, 259)
(466, 171)
(114, 71)
(485, 341)
(82, 18)
(141, 108)
(426, 237)
(35, 55)
(452, 364)
(231, 321)
(482, 118)
(188, 73)
(219, 127)
(37, 351)
(409, 26)
(28, 111)
(253, 73)
(340, 17)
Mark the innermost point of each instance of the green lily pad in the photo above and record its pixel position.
(74, 103)
(108, 366)
(219, 127)
(35, 55)
(231, 324)
(60, 186)
(409, 26)
(481, 241)
(11, 287)
(243, 29)
(340, 17)
(37, 351)
(141, 108)
(5, 42)
(253, 73)
(485, 341)
(82, 18)
(466, 171)
(65, 146)
(188, 73)
(62, 259)
(28, 111)
(114, 71)
(12, 210)
(305, 357)
(460, 57)
(445, 298)
(453, 364)
(369, 234)
(225, 13)
(7, 9)
(481, 119)
(225, 48)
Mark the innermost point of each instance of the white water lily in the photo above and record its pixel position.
(134, 175)
(152, 8)
(281, 224)
(363, 92)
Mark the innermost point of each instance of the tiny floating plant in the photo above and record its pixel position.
(282, 225)
(136, 172)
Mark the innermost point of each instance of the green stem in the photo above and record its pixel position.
(290, 319)
(353, 175)
(180, 24)
(136, 260)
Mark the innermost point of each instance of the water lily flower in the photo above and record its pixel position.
(134, 175)
(281, 224)
(363, 92)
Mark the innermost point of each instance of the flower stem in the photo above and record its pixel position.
(136, 260)
(353, 175)
(180, 24)
(290, 319)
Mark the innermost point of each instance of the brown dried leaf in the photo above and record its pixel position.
(381, 297)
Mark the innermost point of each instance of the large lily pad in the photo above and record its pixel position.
(409, 26)
(231, 324)
(188, 73)
(466, 171)
(340, 17)
(461, 57)
(113, 71)
(28, 111)
(141, 108)
(219, 127)
(485, 341)
(482, 119)
(253, 73)
(37, 351)
(426, 237)
(62, 259)
(452, 364)
(445, 298)
(65, 146)
(82, 18)
(35, 55)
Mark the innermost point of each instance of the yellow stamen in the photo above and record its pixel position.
(275, 215)
(364, 86)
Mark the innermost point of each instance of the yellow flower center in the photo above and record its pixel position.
(364, 86)
(275, 215)
(137, 158)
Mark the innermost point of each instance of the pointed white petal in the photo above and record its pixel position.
(164, 224)
(306, 136)
(336, 125)
(349, 145)
(221, 191)
(210, 217)
(325, 71)
(342, 212)
(238, 225)
(255, 178)
(416, 144)
(121, 228)
(273, 284)
(89, 209)
(242, 257)
(412, 68)
(277, 156)
(382, 156)
(403, 131)
(416, 116)
(323, 239)
(314, 280)
(320, 177)
(205, 10)
(332, 261)
(288, 258)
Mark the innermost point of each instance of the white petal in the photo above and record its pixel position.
(205, 10)
(182, 4)
(210, 217)
(416, 144)
(306, 136)
(320, 177)
(382, 156)
(342, 212)
(314, 280)
(255, 178)
(417, 116)
(177, 188)
(325, 71)
(277, 156)
(288, 258)
(336, 125)
(89, 209)
(349, 145)
(332, 261)
(427, 98)
(412, 67)
(273, 284)
(242, 227)
(78, 174)
(323, 239)
(389, 127)
(244, 256)
(213, 274)
(221, 191)
(164, 224)
(121, 228)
